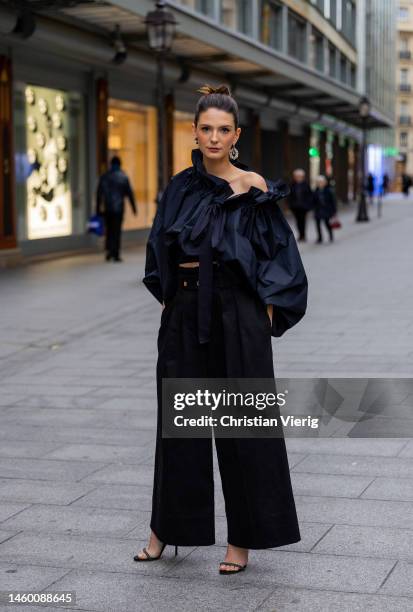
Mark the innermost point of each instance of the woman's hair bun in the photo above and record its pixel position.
(216, 97)
(206, 90)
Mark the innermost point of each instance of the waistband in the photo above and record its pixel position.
(205, 279)
(222, 276)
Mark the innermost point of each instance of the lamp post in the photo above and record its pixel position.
(160, 25)
(364, 112)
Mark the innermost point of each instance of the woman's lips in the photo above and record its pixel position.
(213, 149)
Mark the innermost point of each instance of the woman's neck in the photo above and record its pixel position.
(220, 167)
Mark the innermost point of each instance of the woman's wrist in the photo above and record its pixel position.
(270, 311)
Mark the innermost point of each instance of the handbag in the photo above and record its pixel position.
(335, 223)
(95, 225)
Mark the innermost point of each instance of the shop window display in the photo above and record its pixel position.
(49, 200)
(132, 136)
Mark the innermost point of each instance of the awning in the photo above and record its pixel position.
(223, 55)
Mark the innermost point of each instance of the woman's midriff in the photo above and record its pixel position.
(191, 264)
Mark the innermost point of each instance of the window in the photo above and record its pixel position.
(352, 75)
(404, 44)
(271, 24)
(237, 14)
(205, 6)
(131, 133)
(404, 80)
(333, 11)
(404, 108)
(332, 69)
(403, 13)
(316, 50)
(349, 19)
(343, 68)
(404, 139)
(49, 161)
(319, 4)
(404, 52)
(296, 37)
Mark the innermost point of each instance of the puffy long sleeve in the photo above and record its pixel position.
(160, 265)
(155, 252)
(281, 278)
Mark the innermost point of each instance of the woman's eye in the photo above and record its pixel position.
(205, 129)
(225, 130)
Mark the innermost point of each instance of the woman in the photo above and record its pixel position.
(324, 207)
(220, 256)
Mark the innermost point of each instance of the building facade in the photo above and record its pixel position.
(404, 84)
(69, 101)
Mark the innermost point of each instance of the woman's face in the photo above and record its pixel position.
(216, 133)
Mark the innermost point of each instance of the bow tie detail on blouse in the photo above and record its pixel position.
(207, 233)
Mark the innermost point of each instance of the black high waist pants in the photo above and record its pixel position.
(255, 474)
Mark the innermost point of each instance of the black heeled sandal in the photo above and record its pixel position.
(227, 571)
(149, 557)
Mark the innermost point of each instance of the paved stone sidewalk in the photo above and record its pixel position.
(77, 365)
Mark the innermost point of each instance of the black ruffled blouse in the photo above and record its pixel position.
(199, 216)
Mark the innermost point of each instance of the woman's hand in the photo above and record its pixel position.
(270, 311)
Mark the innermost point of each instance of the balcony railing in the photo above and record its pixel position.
(405, 119)
(405, 87)
(405, 54)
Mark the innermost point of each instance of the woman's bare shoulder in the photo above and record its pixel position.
(253, 179)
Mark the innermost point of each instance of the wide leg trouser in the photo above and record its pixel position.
(255, 475)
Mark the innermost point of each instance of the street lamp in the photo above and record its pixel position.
(364, 112)
(160, 25)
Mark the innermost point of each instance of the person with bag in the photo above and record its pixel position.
(113, 188)
(325, 207)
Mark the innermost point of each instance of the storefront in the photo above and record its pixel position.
(183, 140)
(50, 156)
(132, 130)
(54, 137)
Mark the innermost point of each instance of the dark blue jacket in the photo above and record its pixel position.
(324, 203)
(198, 216)
(113, 188)
(301, 196)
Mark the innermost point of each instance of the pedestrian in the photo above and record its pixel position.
(406, 184)
(112, 190)
(385, 184)
(223, 260)
(370, 185)
(300, 201)
(325, 207)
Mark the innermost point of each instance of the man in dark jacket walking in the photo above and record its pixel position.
(112, 189)
(300, 201)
